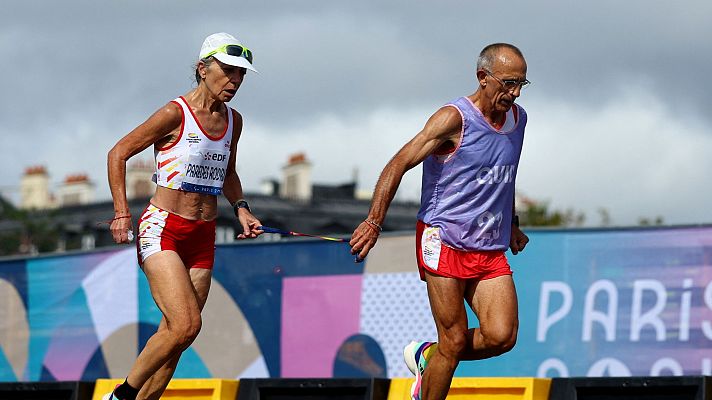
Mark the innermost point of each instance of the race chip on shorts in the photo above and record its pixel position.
(431, 244)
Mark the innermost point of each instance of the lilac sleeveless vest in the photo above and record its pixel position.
(469, 193)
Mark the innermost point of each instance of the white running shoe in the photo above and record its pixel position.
(416, 363)
(110, 395)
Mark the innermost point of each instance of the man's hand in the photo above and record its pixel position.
(250, 224)
(363, 239)
(518, 240)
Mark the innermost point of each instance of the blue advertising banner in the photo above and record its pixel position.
(612, 303)
(591, 303)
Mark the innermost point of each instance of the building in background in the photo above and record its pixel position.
(73, 220)
(34, 189)
(296, 179)
(75, 190)
(293, 203)
(139, 179)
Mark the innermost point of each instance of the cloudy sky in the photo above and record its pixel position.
(619, 109)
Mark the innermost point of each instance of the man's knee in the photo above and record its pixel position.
(453, 343)
(500, 340)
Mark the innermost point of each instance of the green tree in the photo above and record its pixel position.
(26, 231)
(538, 214)
(644, 221)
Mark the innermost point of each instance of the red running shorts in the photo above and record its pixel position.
(160, 230)
(438, 258)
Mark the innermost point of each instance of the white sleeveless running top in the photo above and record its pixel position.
(195, 162)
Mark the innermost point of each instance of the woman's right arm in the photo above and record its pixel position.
(157, 127)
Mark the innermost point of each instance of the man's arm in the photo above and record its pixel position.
(232, 188)
(443, 126)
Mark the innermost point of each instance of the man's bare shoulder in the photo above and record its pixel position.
(446, 121)
(450, 113)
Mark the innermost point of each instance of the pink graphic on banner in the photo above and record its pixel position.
(318, 314)
(69, 352)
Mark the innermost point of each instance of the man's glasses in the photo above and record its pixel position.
(509, 84)
(233, 50)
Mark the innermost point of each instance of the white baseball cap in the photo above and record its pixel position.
(228, 50)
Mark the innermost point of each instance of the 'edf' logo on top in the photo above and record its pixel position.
(214, 157)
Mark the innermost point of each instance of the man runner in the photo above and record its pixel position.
(470, 151)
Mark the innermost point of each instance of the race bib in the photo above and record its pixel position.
(205, 172)
(430, 244)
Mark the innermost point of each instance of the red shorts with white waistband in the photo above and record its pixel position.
(437, 258)
(193, 240)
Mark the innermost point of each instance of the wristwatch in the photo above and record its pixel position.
(515, 221)
(241, 204)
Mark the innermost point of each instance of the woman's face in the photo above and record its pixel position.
(222, 80)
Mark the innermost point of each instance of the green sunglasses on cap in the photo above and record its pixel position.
(233, 50)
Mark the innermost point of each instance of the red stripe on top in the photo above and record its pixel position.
(171, 176)
(162, 164)
(182, 125)
(201, 126)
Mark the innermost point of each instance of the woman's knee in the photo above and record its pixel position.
(185, 332)
(191, 332)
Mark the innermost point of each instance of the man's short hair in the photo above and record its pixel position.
(489, 54)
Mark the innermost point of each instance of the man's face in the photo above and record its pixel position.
(498, 87)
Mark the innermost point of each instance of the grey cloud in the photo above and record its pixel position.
(81, 69)
(350, 57)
